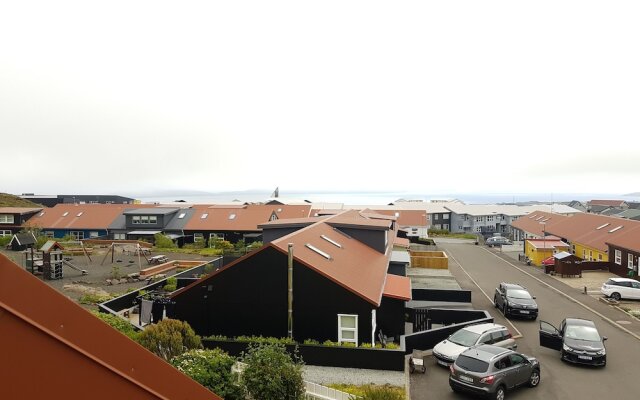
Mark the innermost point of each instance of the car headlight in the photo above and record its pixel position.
(600, 352)
(566, 348)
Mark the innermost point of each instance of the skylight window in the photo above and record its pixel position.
(41, 214)
(397, 214)
(279, 210)
(65, 213)
(204, 216)
(616, 229)
(181, 215)
(539, 218)
(317, 250)
(545, 220)
(533, 216)
(232, 216)
(602, 226)
(79, 214)
(333, 242)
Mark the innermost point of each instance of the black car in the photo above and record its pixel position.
(577, 340)
(515, 300)
(491, 371)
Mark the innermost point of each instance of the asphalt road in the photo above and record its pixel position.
(481, 269)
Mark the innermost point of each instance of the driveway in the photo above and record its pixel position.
(480, 269)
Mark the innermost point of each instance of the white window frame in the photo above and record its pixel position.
(618, 257)
(77, 235)
(135, 219)
(94, 234)
(7, 219)
(5, 233)
(119, 236)
(630, 261)
(445, 216)
(342, 329)
(153, 219)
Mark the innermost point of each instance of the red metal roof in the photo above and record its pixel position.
(397, 287)
(81, 216)
(58, 350)
(18, 210)
(532, 223)
(241, 219)
(607, 203)
(593, 230)
(402, 242)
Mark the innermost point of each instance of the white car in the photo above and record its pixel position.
(447, 351)
(621, 288)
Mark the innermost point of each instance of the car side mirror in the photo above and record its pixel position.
(604, 338)
(533, 297)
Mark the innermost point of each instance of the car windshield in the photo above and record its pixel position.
(464, 338)
(472, 364)
(518, 294)
(579, 332)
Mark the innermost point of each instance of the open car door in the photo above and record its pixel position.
(550, 336)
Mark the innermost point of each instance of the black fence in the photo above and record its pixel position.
(449, 295)
(184, 278)
(452, 320)
(328, 356)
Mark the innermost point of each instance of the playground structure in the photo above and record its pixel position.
(129, 249)
(51, 258)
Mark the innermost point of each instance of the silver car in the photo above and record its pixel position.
(491, 371)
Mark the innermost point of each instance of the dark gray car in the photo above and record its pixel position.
(515, 300)
(491, 371)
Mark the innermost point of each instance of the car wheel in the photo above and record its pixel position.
(504, 310)
(534, 379)
(616, 296)
(495, 301)
(500, 393)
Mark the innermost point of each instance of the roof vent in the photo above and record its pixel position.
(65, 213)
(333, 242)
(317, 250)
(602, 226)
(616, 229)
(203, 216)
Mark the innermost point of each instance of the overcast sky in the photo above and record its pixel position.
(429, 97)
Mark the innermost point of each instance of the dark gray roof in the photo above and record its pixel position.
(24, 238)
(629, 214)
(177, 223)
(151, 211)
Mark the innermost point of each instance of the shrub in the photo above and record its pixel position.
(385, 392)
(169, 338)
(93, 298)
(272, 373)
(211, 369)
(171, 285)
(260, 339)
(4, 240)
(311, 341)
(164, 241)
(210, 252)
(120, 324)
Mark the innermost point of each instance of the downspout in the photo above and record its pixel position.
(290, 293)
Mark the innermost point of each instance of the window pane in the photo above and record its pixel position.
(348, 322)
(350, 335)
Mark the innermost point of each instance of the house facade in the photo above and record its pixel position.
(624, 253)
(12, 219)
(342, 288)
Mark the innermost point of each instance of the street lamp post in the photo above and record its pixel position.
(544, 238)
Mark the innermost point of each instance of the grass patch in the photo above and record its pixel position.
(372, 391)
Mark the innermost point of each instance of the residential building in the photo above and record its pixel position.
(624, 251)
(341, 285)
(52, 200)
(13, 218)
(631, 213)
(144, 223)
(534, 225)
(538, 250)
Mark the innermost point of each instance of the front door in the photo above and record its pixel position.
(549, 336)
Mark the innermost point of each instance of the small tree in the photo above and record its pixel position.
(211, 369)
(272, 373)
(171, 285)
(169, 338)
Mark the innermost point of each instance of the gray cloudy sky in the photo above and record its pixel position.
(429, 97)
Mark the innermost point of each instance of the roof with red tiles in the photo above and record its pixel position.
(538, 222)
(407, 217)
(214, 218)
(592, 230)
(81, 216)
(59, 350)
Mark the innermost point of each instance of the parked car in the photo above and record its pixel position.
(514, 300)
(491, 371)
(497, 241)
(578, 341)
(621, 288)
(448, 350)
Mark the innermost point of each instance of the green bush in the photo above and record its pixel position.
(93, 298)
(272, 373)
(169, 338)
(4, 240)
(311, 341)
(171, 285)
(163, 241)
(372, 392)
(260, 339)
(211, 369)
(210, 252)
(120, 324)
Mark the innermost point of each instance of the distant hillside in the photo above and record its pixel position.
(9, 200)
(635, 194)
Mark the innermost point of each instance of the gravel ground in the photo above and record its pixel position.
(353, 376)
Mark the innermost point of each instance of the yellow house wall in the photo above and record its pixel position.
(537, 256)
(595, 253)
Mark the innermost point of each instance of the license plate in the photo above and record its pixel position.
(524, 312)
(466, 378)
(442, 363)
(585, 357)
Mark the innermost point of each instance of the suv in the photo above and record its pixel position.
(491, 371)
(497, 241)
(515, 299)
(618, 288)
(448, 350)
